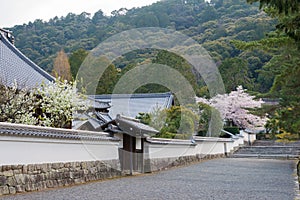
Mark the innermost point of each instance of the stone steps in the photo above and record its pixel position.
(275, 143)
(266, 156)
(269, 149)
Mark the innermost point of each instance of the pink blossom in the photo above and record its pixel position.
(233, 108)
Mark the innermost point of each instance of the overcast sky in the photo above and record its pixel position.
(18, 12)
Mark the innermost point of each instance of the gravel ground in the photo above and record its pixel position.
(215, 179)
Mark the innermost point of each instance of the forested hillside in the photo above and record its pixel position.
(254, 44)
(214, 25)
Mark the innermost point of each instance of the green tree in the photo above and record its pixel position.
(108, 80)
(287, 13)
(234, 72)
(178, 63)
(147, 20)
(76, 59)
(285, 44)
(176, 122)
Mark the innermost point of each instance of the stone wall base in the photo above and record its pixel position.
(158, 164)
(36, 177)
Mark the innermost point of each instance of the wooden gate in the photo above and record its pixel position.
(132, 154)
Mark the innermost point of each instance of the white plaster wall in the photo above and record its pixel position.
(210, 148)
(239, 141)
(203, 146)
(25, 150)
(249, 137)
(170, 150)
(213, 146)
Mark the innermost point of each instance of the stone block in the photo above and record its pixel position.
(79, 181)
(6, 168)
(27, 178)
(38, 167)
(51, 175)
(8, 173)
(66, 175)
(61, 183)
(12, 190)
(85, 171)
(20, 179)
(39, 178)
(72, 175)
(67, 165)
(20, 188)
(58, 175)
(55, 183)
(4, 190)
(14, 167)
(41, 186)
(3, 181)
(55, 166)
(17, 171)
(31, 168)
(49, 184)
(70, 181)
(78, 164)
(11, 181)
(65, 169)
(29, 187)
(44, 168)
(25, 169)
(83, 165)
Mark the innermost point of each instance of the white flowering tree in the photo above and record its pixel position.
(51, 105)
(16, 105)
(57, 102)
(234, 107)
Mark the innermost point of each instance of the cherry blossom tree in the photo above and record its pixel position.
(234, 107)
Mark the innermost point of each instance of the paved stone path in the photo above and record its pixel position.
(234, 178)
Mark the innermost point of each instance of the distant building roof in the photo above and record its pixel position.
(98, 105)
(15, 66)
(271, 101)
(132, 104)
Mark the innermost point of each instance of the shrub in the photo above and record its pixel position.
(232, 129)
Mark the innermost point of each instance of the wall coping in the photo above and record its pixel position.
(20, 130)
(163, 141)
(214, 139)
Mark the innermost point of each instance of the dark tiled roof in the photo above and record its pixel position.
(132, 104)
(97, 104)
(134, 127)
(104, 117)
(7, 129)
(94, 119)
(15, 66)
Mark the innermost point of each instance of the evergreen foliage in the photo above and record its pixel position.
(212, 24)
